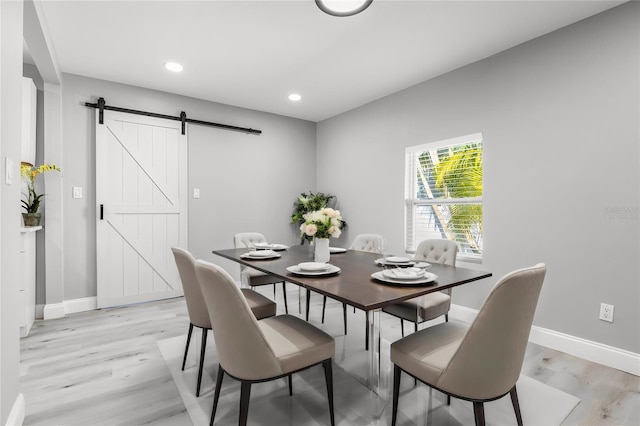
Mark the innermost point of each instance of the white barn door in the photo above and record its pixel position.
(141, 197)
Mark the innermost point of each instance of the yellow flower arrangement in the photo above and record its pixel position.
(29, 173)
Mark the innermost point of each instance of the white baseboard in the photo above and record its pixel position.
(59, 310)
(80, 305)
(16, 416)
(600, 353)
(39, 311)
(53, 311)
(610, 356)
(462, 313)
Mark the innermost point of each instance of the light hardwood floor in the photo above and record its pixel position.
(104, 368)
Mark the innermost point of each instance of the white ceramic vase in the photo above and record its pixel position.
(321, 249)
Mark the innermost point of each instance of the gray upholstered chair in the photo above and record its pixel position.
(366, 242)
(252, 277)
(257, 351)
(480, 362)
(431, 305)
(261, 306)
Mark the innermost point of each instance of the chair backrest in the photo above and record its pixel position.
(488, 361)
(437, 250)
(366, 242)
(242, 348)
(186, 263)
(248, 239)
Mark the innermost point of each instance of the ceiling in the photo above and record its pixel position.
(253, 54)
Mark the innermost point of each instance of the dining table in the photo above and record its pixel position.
(352, 283)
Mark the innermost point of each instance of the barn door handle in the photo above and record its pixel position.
(101, 211)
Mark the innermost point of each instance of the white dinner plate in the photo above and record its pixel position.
(252, 255)
(265, 246)
(337, 250)
(295, 269)
(382, 263)
(427, 279)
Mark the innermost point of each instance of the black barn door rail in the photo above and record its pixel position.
(101, 106)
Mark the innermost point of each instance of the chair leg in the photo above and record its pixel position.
(186, 348)
(324, 306)
(284, 292)
(366, 331)
(308, 301)
(448, 399)
(328, 375)
(402, 326)
(245, 393)
(290, 386)
(216, 394)
(478, 412)
(446, 317)
(344, 315)
(415, 330)
(516, 405)
(396, 391)
(202, 350)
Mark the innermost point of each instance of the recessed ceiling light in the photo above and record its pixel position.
(294, 97)
(343, 7)
(173, 66)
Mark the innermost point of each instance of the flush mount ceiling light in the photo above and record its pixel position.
(294, 97)
(173, 66)
(343, 7)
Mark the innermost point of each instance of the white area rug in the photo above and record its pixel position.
(541, 405)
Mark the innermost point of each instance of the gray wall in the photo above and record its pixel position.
(247, 182)
(31, 71)
(560, 122)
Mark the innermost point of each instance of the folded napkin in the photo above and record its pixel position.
(404, 273)
(261, 253)
(262, 245)
(313, 266)
(398, 259)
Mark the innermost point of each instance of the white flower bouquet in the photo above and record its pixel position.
(323, 223)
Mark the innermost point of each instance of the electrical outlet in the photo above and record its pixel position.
(606, 312)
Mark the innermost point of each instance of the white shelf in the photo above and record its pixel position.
(27, 229)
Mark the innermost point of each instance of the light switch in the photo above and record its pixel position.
(196, 192)
(8, 171)
(77, 192)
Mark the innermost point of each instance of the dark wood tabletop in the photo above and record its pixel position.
(353, 285)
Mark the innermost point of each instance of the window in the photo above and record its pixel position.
(443, 194)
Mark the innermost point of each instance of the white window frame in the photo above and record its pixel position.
(411, 203)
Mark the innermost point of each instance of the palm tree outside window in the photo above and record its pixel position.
(443, 194)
